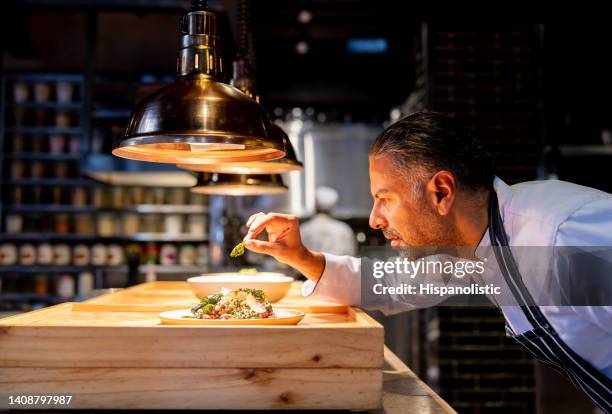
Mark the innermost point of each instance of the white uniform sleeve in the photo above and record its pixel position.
(341, 282)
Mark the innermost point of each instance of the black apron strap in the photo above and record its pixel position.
(509, 268)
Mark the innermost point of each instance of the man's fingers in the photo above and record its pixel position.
(260, 223)
(280, 236)
(259, 246)
(253, 217)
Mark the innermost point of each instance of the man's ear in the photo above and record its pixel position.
(442, 188)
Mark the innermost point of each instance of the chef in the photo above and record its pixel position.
(434, 185)
(323, 232)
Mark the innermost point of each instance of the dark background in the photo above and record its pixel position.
(534, 82)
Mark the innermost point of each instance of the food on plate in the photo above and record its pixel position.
(248, 271)
(243, 303)
(238, 250)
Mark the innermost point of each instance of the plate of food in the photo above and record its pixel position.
(242, 306)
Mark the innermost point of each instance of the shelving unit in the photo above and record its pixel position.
(48, 196)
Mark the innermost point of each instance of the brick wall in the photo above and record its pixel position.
(488, 78)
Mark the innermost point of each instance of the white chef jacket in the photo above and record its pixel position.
(539, 213)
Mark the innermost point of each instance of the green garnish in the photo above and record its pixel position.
(208, 308)
(238, 250)
(259, 294)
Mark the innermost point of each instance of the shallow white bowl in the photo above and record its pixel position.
(275, 285)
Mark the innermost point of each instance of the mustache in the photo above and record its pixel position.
(391, 234)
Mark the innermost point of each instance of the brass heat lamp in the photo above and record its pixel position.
(239, 184)
(199, 119)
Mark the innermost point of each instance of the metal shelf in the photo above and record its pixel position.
(42, 156)
(49, 208)
(111, 113)
(53, 181)
(48, 104)
(23, 297)
(165, 237)
(169, 209)
(172, 269)
(585, 150)
(46, 76)
(139, 237)
(142, 209)
(58, 269)
(45, 130)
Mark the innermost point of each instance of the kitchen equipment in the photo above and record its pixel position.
(8, 254)
(27, 254)
(196, 225)
(116, 256)
(106, 225)
(117, 197)
(64, 91)
(168, 254)
(173, 224)
(81, 255)
(21, 92)
(187, 255)
(62, 221)
(74, 147)
(79, 197)
(17, 169)
(62, 169)
(19, 143)
(44, 254)
(149, 254)
(62, 254)
(65, 286)
(84, 224)
(57, 143)
(37, 169)
(150, 223)
(14, 223)
(42, 92)
(198, 118)
(202, 255)
(239, 184)
(275, 285)
(62, 119)
(183, 317)
(280, 166)
(41, 285)
(99, 255)
(130, 224)
(85, 283)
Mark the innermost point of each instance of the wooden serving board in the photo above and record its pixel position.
(75, 335)
(162, 296)
(113, 352)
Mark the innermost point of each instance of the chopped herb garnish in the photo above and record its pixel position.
(238, 250)
(259, 294)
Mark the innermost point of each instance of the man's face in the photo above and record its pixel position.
(407, 219)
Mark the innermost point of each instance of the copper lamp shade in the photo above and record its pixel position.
(280, 166)
(239, 184)
(198, 118)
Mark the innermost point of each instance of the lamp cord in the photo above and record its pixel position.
(199, 5)
(244, 29)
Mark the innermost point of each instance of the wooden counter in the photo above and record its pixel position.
(111, 352)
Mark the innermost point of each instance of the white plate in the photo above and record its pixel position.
(275, 285)
(184, 317)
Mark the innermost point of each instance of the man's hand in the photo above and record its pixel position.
(284, 243)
